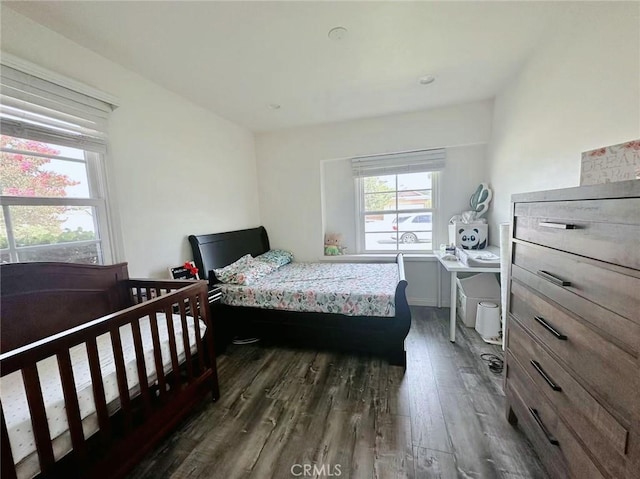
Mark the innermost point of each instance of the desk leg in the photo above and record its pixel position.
(452, 315)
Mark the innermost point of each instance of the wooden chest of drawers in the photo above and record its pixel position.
(572, 376)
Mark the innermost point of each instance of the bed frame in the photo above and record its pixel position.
(362, 334)
(46, 308)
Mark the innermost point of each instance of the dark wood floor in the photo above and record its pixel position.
(353, 417)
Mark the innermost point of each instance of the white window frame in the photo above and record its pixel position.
(96, 167)
(360, 217)
(97, 187)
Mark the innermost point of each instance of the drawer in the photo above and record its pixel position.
(611, 292)
(607, 230)
(557, 447)
(602, 367)
(600, 432)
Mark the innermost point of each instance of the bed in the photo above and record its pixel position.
(379, 330)
(96, 367)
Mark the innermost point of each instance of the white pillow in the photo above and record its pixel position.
(229, 272)
(244, 271)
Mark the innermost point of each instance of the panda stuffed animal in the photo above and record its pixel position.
(470, 239)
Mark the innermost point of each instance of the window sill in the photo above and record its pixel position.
(377, 258)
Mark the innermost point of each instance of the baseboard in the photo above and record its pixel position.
(433, 303)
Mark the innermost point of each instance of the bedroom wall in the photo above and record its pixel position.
(579, 91)
(289, 175)
(175, 169)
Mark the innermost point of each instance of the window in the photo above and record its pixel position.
(398, 212)
(52, 189)
(397, 207)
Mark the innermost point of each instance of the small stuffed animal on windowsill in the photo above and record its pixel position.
(332, 244)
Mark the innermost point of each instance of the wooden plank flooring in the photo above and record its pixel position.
(352, 416)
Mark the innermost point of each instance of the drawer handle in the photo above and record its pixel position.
(536, 417)
(545, 376)
(550, 328)
(553, 279)
(558, 226)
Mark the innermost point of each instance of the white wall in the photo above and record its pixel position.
(175, 168)
(338, 201)
(289, 173)
(579, 91)
(289, 164)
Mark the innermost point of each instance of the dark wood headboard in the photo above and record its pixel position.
(42, 299)
(221, 249)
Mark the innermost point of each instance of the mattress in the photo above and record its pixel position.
(14, 401)
(359, 289)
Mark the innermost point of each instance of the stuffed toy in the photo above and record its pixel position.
(332, 244)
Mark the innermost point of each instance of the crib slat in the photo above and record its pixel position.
(38, 417)
(7, 469)
(196, 326)
(142, 368)
(172, 346)
(121, 374)
(98, 388)
(71, 404)
(187, 307)
(185, 340)
(157, 356)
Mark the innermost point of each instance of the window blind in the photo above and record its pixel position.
(398, 163)
(37, 109)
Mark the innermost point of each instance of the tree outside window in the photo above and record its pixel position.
(34, 170)
(397, 212)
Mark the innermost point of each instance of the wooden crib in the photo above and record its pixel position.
(144, 348)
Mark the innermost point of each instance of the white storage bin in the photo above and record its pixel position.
(472, 290)
(488, 320)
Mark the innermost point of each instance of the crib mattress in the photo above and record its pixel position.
(14, 401)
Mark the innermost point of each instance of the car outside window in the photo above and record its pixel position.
(396, 212)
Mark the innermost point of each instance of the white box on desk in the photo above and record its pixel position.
(471, 291)
(478, 258)
(474, 235)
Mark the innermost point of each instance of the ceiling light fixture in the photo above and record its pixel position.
(274, 106)
(426, 80)
(337, 33)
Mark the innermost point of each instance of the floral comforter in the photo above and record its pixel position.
(349, 289)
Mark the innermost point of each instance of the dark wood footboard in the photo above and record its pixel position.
(141, 420)
(378, 336)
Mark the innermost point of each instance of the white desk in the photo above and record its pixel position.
(455, 267)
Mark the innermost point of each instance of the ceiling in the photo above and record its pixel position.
(238, 58)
